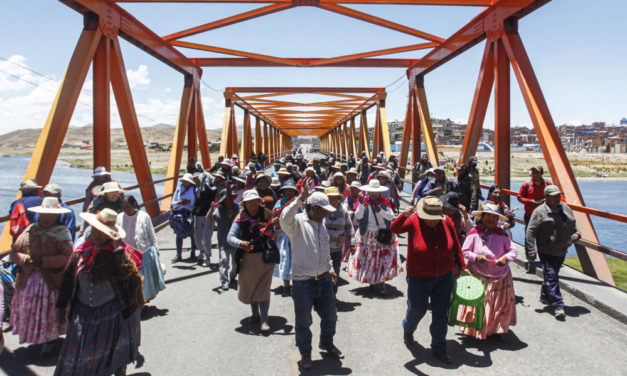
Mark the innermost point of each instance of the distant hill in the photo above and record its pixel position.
(27, 138)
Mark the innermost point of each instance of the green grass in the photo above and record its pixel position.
(617, 267)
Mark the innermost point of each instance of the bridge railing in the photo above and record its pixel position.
(579, 208)
(75, 201)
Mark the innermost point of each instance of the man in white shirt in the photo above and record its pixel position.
(312, 271)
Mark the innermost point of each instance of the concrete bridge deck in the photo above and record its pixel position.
(193, 328)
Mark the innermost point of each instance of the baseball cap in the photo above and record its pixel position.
(321, 200)
(552, 190)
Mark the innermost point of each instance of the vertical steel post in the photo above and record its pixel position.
(502, 143)
(174, 165)
(479, 104)
(132, 131)
(102, 104)
(425, 119)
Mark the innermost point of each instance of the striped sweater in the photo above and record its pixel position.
(339, 225)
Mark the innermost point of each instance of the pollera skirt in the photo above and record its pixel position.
(99, 340)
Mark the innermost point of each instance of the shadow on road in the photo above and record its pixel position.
(278, 326)
(17, 362)
(183, 278)
(570, 311)
(370, 293)
(346, 306)
(152, 311)
(327, 366)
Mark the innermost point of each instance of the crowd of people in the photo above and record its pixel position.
(88, 284)
(297, 222)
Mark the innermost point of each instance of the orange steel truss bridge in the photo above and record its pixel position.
(277, 117)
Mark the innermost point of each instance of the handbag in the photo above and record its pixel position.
(270, 251)
(384, 235)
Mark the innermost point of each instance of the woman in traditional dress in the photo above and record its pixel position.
(489, 249)
(41, 252)
(103, 288)
(283, 269)
(495, 196)
(374, 262)
(255, 276)
(350, 203)
(141, 235)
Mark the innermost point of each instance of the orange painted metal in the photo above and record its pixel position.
(475, 31)
(202, 130)
(474, 3)
(593, 263)
(425, 120)
(234, 144)
(229, 21)
(352, 142)
(102, 104)
(408, 128)
(266, 141)
(246, 147)
(479, 105)
(379, 21)
(364, 143)
(117, 20)
(226, 131)
(174, 165)
(416, 147)
(229, 51)
(303, 62)
(502, 139)
(51, 137)
(258, 139)
(387, 51)
(132, 132)
(192, 134)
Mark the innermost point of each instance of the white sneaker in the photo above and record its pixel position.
(560, 314)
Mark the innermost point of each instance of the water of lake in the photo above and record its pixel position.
(73, 181)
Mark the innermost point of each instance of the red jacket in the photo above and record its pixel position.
(530, 192)
(431, 252)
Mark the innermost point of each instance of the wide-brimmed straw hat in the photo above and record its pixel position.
(333, 191)
(430, 208)
(251, 195)
(338, 175)
(283, 171)
(239, 178)
(104, 221)
(373, 186)
(188, 178)
(108, 187)
(49, 205)
(100, 171)
(352, 170)
(289, 185)
(275, 182)
(488, 209)
(261, 175)
(29, 184)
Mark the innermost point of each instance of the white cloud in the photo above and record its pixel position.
(575, 123)
(26, 99)
(139, 78)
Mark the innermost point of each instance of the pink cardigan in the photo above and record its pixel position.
(494, 248)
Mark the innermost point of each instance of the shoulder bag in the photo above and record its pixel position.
(384, 235)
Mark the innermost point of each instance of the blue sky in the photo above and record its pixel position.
(576, 47)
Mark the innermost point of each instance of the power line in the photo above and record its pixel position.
(50, 90)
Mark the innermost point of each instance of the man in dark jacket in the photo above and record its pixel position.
(553, 227)
(439, 185)
(203, 228)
